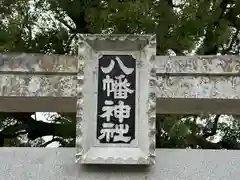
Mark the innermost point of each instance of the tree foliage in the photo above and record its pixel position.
(183, 27)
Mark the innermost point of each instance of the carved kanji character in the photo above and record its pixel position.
(107, 131)
(121, 111)
(125, 69)
(108, 110)
(121, 129)
(119, 87)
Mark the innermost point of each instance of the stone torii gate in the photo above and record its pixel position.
(194, 84)
(186, 85)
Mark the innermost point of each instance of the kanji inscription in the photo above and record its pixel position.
(116, 99)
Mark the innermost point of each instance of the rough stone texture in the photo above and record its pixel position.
(198, 77)
(198, 106)
(182, 85)
(37, 63)
(193, 78)
(198, 64)
(82, 49)
(171, 164)
(38, 85)
(37, 104)
(170, 87)
(176, 64)
(222, 87)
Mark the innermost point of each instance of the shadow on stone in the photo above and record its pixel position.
(115, 168)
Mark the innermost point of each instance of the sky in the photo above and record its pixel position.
(44, 117)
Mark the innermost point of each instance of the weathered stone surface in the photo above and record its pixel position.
(171, 164)
(198, 64)
(37, 104)
(194, 78)
(38, 85)
(176, 64)
(223, 87)
(37, 63)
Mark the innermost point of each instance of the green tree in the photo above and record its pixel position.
(182, 27)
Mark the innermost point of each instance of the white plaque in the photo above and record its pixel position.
(116, 101)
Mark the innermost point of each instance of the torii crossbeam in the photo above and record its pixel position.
(186, 84)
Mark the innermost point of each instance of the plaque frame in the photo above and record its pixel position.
(90, 48)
